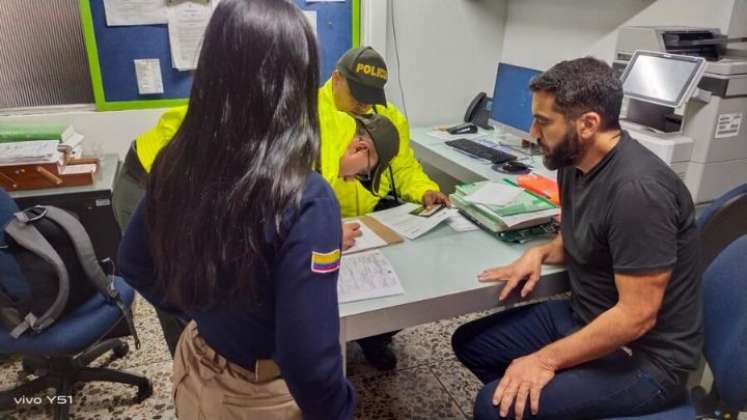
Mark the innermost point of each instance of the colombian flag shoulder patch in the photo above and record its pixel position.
(325, 262)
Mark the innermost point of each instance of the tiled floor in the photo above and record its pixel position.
(428, 384)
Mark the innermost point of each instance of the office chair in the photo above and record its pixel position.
(60, 354)
(725, 320)
(722, 222)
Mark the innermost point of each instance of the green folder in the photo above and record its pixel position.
(12, 132)
(487, 220)
(489, 216)
(526, 202)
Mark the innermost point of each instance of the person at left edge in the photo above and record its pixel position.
(238, 233)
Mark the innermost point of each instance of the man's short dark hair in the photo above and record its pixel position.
(583, 85)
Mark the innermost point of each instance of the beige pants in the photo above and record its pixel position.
(208, 387)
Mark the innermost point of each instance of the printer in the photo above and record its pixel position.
(686, 100)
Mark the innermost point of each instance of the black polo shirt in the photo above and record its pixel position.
(632, 214)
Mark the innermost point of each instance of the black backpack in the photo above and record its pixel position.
(49, 269)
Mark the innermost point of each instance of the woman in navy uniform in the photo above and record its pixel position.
(238, 233)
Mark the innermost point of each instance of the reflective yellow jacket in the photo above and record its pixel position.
(152, 141)
(337, 129)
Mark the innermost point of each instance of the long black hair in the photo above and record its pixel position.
(241, 157)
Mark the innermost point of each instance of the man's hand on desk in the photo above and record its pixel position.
(521, 383)
(528, 267)
(431, 198)
(350, 231)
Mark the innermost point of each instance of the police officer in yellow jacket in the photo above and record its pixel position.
(357, 87)
(130, 184)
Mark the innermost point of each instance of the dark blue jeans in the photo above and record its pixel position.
(615, 385)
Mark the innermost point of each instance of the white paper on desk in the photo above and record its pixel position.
(34, 151)
(460, 223)
(366, 275)
(410, 226)
(368, 240)
(517, 219)
(494, 194)
(135, 12)
(311, 16)
(187, 23)
(148, 73)
(72, 138)
(443, 135)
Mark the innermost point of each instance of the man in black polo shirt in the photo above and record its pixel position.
(632, 330)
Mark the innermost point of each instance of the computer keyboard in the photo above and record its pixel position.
(481, 151)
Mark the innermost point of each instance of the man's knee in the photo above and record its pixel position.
(457, 340)
(472, 350)
(484, 408)
(460, 341)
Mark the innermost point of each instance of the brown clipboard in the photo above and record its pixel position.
(388, 235)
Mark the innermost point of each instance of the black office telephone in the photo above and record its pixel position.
(478, 111)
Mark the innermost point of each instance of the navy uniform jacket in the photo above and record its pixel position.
(300, 327)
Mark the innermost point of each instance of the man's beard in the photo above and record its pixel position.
(566, 153)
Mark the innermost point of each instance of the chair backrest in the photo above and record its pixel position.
(725, 322)
(722, 222)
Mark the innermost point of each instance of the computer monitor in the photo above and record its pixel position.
(512, 101)
(661, 78)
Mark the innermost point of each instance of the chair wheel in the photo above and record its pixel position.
(144, 390)
(121, 349)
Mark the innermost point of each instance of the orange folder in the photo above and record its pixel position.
(540, 185)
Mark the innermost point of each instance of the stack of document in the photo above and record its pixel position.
(493, 194)
(500, 206)
(67, 139)
(25, 152)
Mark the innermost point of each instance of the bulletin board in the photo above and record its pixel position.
(112, 49)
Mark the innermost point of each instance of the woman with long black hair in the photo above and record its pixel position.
(240, 235)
